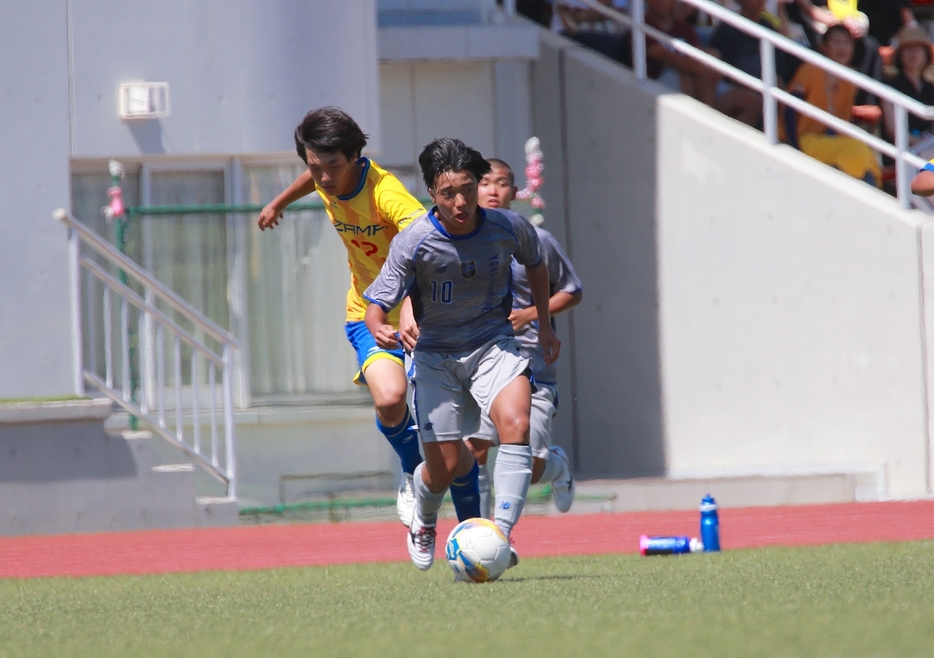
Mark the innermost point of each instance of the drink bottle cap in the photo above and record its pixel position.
(708, 504)
(643, 544)
(696, 545)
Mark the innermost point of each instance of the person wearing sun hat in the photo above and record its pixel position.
(912, 56)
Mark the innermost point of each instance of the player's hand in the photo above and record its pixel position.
(269, 217)
(386, 337)
(408, 327)
(522, 316)
(548, 339)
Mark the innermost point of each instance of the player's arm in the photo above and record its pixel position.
(923, 183)
(562, 279)
(538, 284)
(558, 303)
(408, 327)
(300, 187)
(378, 324)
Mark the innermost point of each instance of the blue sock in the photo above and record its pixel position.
(465, 494)
(404, 440)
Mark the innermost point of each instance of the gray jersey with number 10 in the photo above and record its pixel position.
(460, 285)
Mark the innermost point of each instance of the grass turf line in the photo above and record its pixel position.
(845, 600)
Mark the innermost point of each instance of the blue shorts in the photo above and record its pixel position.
(367, 349)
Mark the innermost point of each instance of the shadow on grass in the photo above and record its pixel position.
(530, 579)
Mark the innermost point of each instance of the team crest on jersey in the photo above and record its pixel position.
(468, 269)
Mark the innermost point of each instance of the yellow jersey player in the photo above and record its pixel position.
(368, 206)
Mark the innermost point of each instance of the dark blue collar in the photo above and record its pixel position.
(438, 225)
(366, 168)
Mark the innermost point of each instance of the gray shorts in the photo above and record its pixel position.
(452, 388)
(544, 408)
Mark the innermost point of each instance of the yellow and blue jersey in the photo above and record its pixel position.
(367, 220)
(929, 166)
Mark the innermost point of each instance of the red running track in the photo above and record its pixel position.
(322, 544)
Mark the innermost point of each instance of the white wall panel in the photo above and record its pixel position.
(36, 357)
(241, 74)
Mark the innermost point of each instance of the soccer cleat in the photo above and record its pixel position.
(421, 543)
(405, 501)
(513, 558)
(562, 489)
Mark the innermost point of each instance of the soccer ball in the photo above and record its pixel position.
(477, 551)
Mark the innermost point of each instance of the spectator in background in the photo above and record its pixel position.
(831, 94)
(886, 17)
(912, 57)
(741, 50)
(815, 16)
(539, 11)
(666, 65)
(591, 28)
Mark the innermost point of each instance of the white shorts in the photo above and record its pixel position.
(452, 388)
(544, 408)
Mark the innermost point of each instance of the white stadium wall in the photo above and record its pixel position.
(747, 310)
(238, 71)
(36, 355)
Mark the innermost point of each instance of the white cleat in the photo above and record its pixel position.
(513, 558)
(421, 543)
(562, 489)
(405, 501)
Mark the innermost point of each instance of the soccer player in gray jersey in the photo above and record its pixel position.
(497, 190)
(455, 264)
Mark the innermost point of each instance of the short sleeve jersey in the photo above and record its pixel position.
(561, 278)
(460, 285)
(367, 220)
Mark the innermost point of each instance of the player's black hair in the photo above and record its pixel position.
(502, 164)
(449, 154)
(329, 130)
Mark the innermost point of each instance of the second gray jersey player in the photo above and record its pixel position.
(562, 278)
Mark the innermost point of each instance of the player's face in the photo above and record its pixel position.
(496, 190)
(333, 172)
(455, 194)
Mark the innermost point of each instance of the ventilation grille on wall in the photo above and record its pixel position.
(144, 100)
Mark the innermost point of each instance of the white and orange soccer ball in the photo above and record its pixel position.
(477, 551)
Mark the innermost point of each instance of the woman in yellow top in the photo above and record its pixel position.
(368, 206)
(829, 93)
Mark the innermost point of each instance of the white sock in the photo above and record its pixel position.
(554, 468)
(483, 478)
(511, 479)
(427, 503)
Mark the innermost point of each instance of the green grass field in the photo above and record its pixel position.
(848, 600)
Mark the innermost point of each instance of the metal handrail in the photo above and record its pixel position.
(771, 93)
(146, 279)
(152, 407)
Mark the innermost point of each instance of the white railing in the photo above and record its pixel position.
(906, 162)
(134, 350)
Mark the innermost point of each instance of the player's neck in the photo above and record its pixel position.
(353, 181)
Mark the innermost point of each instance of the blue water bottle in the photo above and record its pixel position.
(709, 524)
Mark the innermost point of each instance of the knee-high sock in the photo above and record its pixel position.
(554, 468)
(465, 494)
(511, 479)
(404, 440)
(483, 482)
(427, 503)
